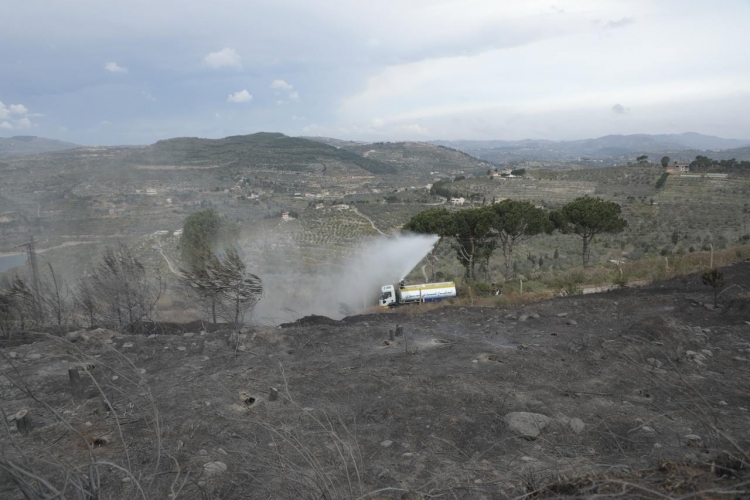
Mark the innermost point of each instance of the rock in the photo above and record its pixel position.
(657, 445)
(127, 345)
(723, 403)
(511, 317)
(695, 356)
(577, 425)
(654, 362)
(709, 306)
(152, 336)
(534, 315)
(707, 352)
(182, 348)
(527, 425)
(202, 453)
(13, 355)
(215, 468)
(72, 336)
(561, 315)
(571, 322)
(523, 317)
(34, 357)
(222, 451)
(648, 429)
(693, 440)
(386, 444)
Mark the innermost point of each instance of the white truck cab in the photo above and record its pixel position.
(387, 295)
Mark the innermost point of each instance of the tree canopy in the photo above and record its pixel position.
(204, 233)
(516, 221)
(588, 217)
(470, 230)
(665, 161)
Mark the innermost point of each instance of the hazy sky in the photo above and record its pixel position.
(135, 71)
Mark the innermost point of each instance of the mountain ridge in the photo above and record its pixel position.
(24, 145)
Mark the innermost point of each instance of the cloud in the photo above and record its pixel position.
(284, 86)
(18, 109)
(619, 23)
(15, 116)
(240, 96)
(281, 85)
(113, 67)
(620, 109)
(226, 57)
(373, 42)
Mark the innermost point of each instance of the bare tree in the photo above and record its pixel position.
(85, 300)
(124, 290)
(24, 308)
(54, 294)
(225, 279)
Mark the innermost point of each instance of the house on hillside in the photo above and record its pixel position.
(458, 201)
(678, 168)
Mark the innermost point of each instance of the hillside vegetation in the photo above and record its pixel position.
(23, 145)
(256, 151)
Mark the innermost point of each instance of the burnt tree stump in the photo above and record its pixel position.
(399, 330)
(23, 422)
(76, 384)
(273, 394)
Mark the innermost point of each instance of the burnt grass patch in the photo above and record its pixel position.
(643, 396)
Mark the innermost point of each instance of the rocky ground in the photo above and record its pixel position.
(630, 393)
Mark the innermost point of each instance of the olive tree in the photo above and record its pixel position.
(588, 217)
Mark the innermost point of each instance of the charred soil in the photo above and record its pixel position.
(634, 393)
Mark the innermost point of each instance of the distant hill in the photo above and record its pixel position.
(263, 150)
(420, 158)
(23, 145)
(607, 147)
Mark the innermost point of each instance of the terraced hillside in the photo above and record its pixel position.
(421, 158)
(261, 151)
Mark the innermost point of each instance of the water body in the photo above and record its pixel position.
(11, 260)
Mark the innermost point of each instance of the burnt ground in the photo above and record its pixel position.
(646, 393)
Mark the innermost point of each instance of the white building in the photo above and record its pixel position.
(458, 201)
